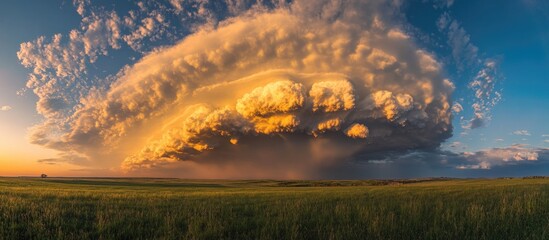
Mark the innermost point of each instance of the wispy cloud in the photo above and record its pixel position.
(442, 3)
(486, 76)
(521, 133)
(5, 108)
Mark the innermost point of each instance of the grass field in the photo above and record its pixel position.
(188, 209)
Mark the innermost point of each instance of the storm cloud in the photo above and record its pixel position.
(281, 92)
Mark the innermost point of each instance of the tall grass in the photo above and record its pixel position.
(178, 209)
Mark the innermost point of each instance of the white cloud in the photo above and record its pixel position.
(486, 159)
(466, 54)
(5, 108)
(521, 133)
(463, 51)
(441, 3)
(486, 95)
(60, 65)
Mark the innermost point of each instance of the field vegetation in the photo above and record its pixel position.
(65, 208)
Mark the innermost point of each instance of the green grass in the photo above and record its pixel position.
(187, 209)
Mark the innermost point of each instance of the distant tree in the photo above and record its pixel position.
(43, 176)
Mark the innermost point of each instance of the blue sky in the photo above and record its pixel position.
(513, 35)
(520, 43)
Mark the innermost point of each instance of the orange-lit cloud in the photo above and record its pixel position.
(275, 92)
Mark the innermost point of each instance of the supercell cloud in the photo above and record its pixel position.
(279, 92)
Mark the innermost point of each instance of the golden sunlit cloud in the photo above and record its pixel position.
(266, 91)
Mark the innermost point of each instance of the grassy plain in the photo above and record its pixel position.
(64, 208)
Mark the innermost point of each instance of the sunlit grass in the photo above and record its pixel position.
(175, 209)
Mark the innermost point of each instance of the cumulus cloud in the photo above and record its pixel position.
(357, 130)
(332, 96)
(457, 108)
(5, 108)
(392, 105)
(309, 84)
(273, 98)
(328, 125)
